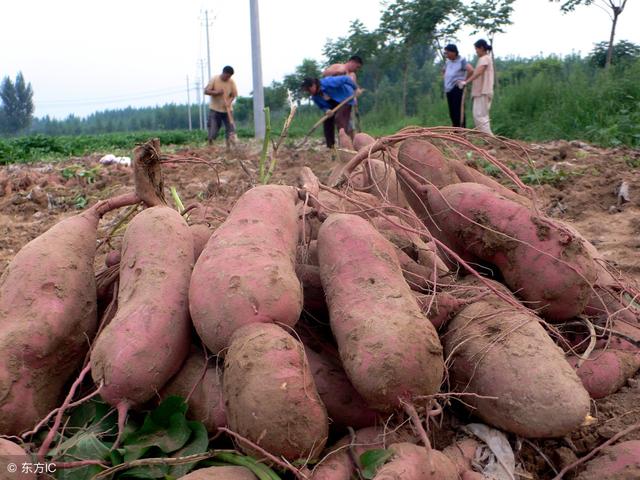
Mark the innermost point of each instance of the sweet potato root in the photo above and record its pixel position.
(345, 406)
(495, 350)
(413, 462)
(201, 385)
(545, 264)
(270, 396)
(371, 307)
(246, 273)
(47, 316)
(147, 341)
(605, 372)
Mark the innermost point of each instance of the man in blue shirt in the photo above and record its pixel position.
(327, 93)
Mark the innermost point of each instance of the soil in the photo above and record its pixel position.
(580, 187)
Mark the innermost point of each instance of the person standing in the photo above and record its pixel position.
(456, 70)
(327, 93)
(349, 68)
(482, 89)
(223, 91)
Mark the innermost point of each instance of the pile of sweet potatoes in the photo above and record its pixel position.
(313, 312)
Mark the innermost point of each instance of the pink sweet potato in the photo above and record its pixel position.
(496, 350)
(545, 264)
(112, 258)
(338, 465)
(371, 308)
(423, 160)
(617, 462)
(439, 308)
(413, 462)
(47, 317)
(147, 341)
(605, 372)
(270, 396)
(309, 276)
(345, 140)
(201, 382)
(11, 453)
(470, 175)
(345, 406)
(381, 181)
(362, 140)
(246, 273)
(201, 235)
(462, 453)
(221, 473)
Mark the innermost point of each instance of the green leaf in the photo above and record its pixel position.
(372, 460)
(198, 443)
(83, 446)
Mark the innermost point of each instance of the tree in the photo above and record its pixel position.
(489, 16)
(613, 8)
(308, 68)
(17, 104)
(275, 96)
(623, 51)
(408, 24)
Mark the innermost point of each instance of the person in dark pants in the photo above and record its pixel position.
(223, 92)
(456, 70)
(327, 93)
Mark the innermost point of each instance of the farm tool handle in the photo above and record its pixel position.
(327, 116)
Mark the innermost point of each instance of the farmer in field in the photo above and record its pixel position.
(223, 92)
(327, 93)
(456, 70)
(482, 89)
(350, 68)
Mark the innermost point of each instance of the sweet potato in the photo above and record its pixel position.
(221, 473)
(605, 372)
(496, 350)
(467, 174)
(544, 263)
(11, 453)
(148, 340)
(345, 406)
(462, 453)
(423, 160)
(270, 396)
(112, 258)
(439, 308)
(344, 140)
(338, 465)
(309, 276)
(371, 307)
(47, 316)
(413, 462)
(617, 462)
(201, 234)
(381, 181)
(362, 140)
(246, 273)
(200, 383)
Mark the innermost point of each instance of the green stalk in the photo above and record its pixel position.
(265, 145)
(176, 199)
(258, 469)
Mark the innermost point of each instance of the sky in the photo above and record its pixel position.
(81, 56)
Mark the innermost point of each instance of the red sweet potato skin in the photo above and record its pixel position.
(47, 316)
(413, 462)
(148, 340)
(606, 371)
(544, 263)
(497, 351)
(201, 235)
(345, 406)
(246, 273)
(617, 462)
(270, 395)
(371, 307)
(203, 381)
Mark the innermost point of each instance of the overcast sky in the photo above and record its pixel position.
(83, 55)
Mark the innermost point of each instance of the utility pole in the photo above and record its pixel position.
(204, 105)
(206, 22)
(199, 103)
(256, 60)
(188, 104)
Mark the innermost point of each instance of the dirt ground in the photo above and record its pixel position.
(580, 187)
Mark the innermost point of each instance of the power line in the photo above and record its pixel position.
(150, 94)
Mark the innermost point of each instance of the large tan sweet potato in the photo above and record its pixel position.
(246, 273)
(389, 350)
(413, 462)
(147, 341)
(544, 263)
(495, 350)
(270, 395)
(221, 473)
(47, 317)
